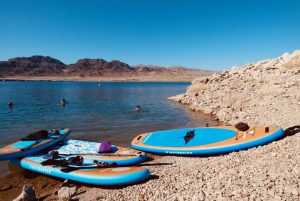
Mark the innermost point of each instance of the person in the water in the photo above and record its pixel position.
(10, 105)
(63, 102)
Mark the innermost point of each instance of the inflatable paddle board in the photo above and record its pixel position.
(120, 155)
(206, 140)
(87, 172)
(25, 147)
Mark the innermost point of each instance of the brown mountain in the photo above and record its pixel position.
(98, 67)
(93, 69)
(31, 66)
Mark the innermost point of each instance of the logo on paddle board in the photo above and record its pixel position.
(179, 152)
(43, 170)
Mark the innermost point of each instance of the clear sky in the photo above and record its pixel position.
(204, 34)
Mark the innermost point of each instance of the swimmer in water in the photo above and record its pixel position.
(63, 102)
(10, 105)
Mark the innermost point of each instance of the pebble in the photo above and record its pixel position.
(256, 179)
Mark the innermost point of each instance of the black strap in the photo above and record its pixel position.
(105, 164)
(78, 160)
(42, 134)
(60, 162)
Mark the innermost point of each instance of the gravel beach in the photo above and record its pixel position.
(263, 93)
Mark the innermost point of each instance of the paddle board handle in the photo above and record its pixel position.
(138, 139)
(266, 129)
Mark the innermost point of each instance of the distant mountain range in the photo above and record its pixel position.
(45, 66)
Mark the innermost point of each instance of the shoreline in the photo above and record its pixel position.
(243, 175)
(104, 79)
(40, 80)
(262, 93)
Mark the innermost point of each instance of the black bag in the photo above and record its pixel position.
(42, 134)
(241, 126)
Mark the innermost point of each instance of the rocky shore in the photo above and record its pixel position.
(263, 94)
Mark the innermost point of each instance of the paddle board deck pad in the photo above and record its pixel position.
(24, 148)
(86, 172)
(122, 156)
(205, 141)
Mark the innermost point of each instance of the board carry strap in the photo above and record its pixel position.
(96, 164)
(73, 162)
(104, 164)
(76, 161)
(37, 142)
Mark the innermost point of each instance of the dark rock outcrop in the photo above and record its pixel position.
(97, 67)
(31, 66)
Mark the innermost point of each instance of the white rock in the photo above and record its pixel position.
(28, 194)
(66, 192)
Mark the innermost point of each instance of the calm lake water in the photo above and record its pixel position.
(94, 111)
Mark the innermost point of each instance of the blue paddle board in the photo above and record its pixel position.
(86, 172)
(24, 148)
(122, 156)
(206, 140)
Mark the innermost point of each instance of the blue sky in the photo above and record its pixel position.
(204, 34)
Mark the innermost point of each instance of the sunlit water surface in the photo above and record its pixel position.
(94, 111)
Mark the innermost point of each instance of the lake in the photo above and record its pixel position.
(94, 111)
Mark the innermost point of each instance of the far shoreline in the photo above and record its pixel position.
(160, 78)
(93, 80)
(40, 80)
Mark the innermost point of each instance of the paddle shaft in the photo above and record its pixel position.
(103, 154)
(87, 166)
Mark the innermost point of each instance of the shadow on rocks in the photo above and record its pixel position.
(291, 131)
(79, 184)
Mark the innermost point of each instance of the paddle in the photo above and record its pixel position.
(76, 163)
(36, 142)
(96, 164)
(97, 154)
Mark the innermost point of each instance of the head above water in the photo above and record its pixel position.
(63, 101)
(10, 105)
(138, 107)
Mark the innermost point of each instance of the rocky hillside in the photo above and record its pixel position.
(151, 68)
(31, 66)
(261, 93)
(97, 67)
(40, 66)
